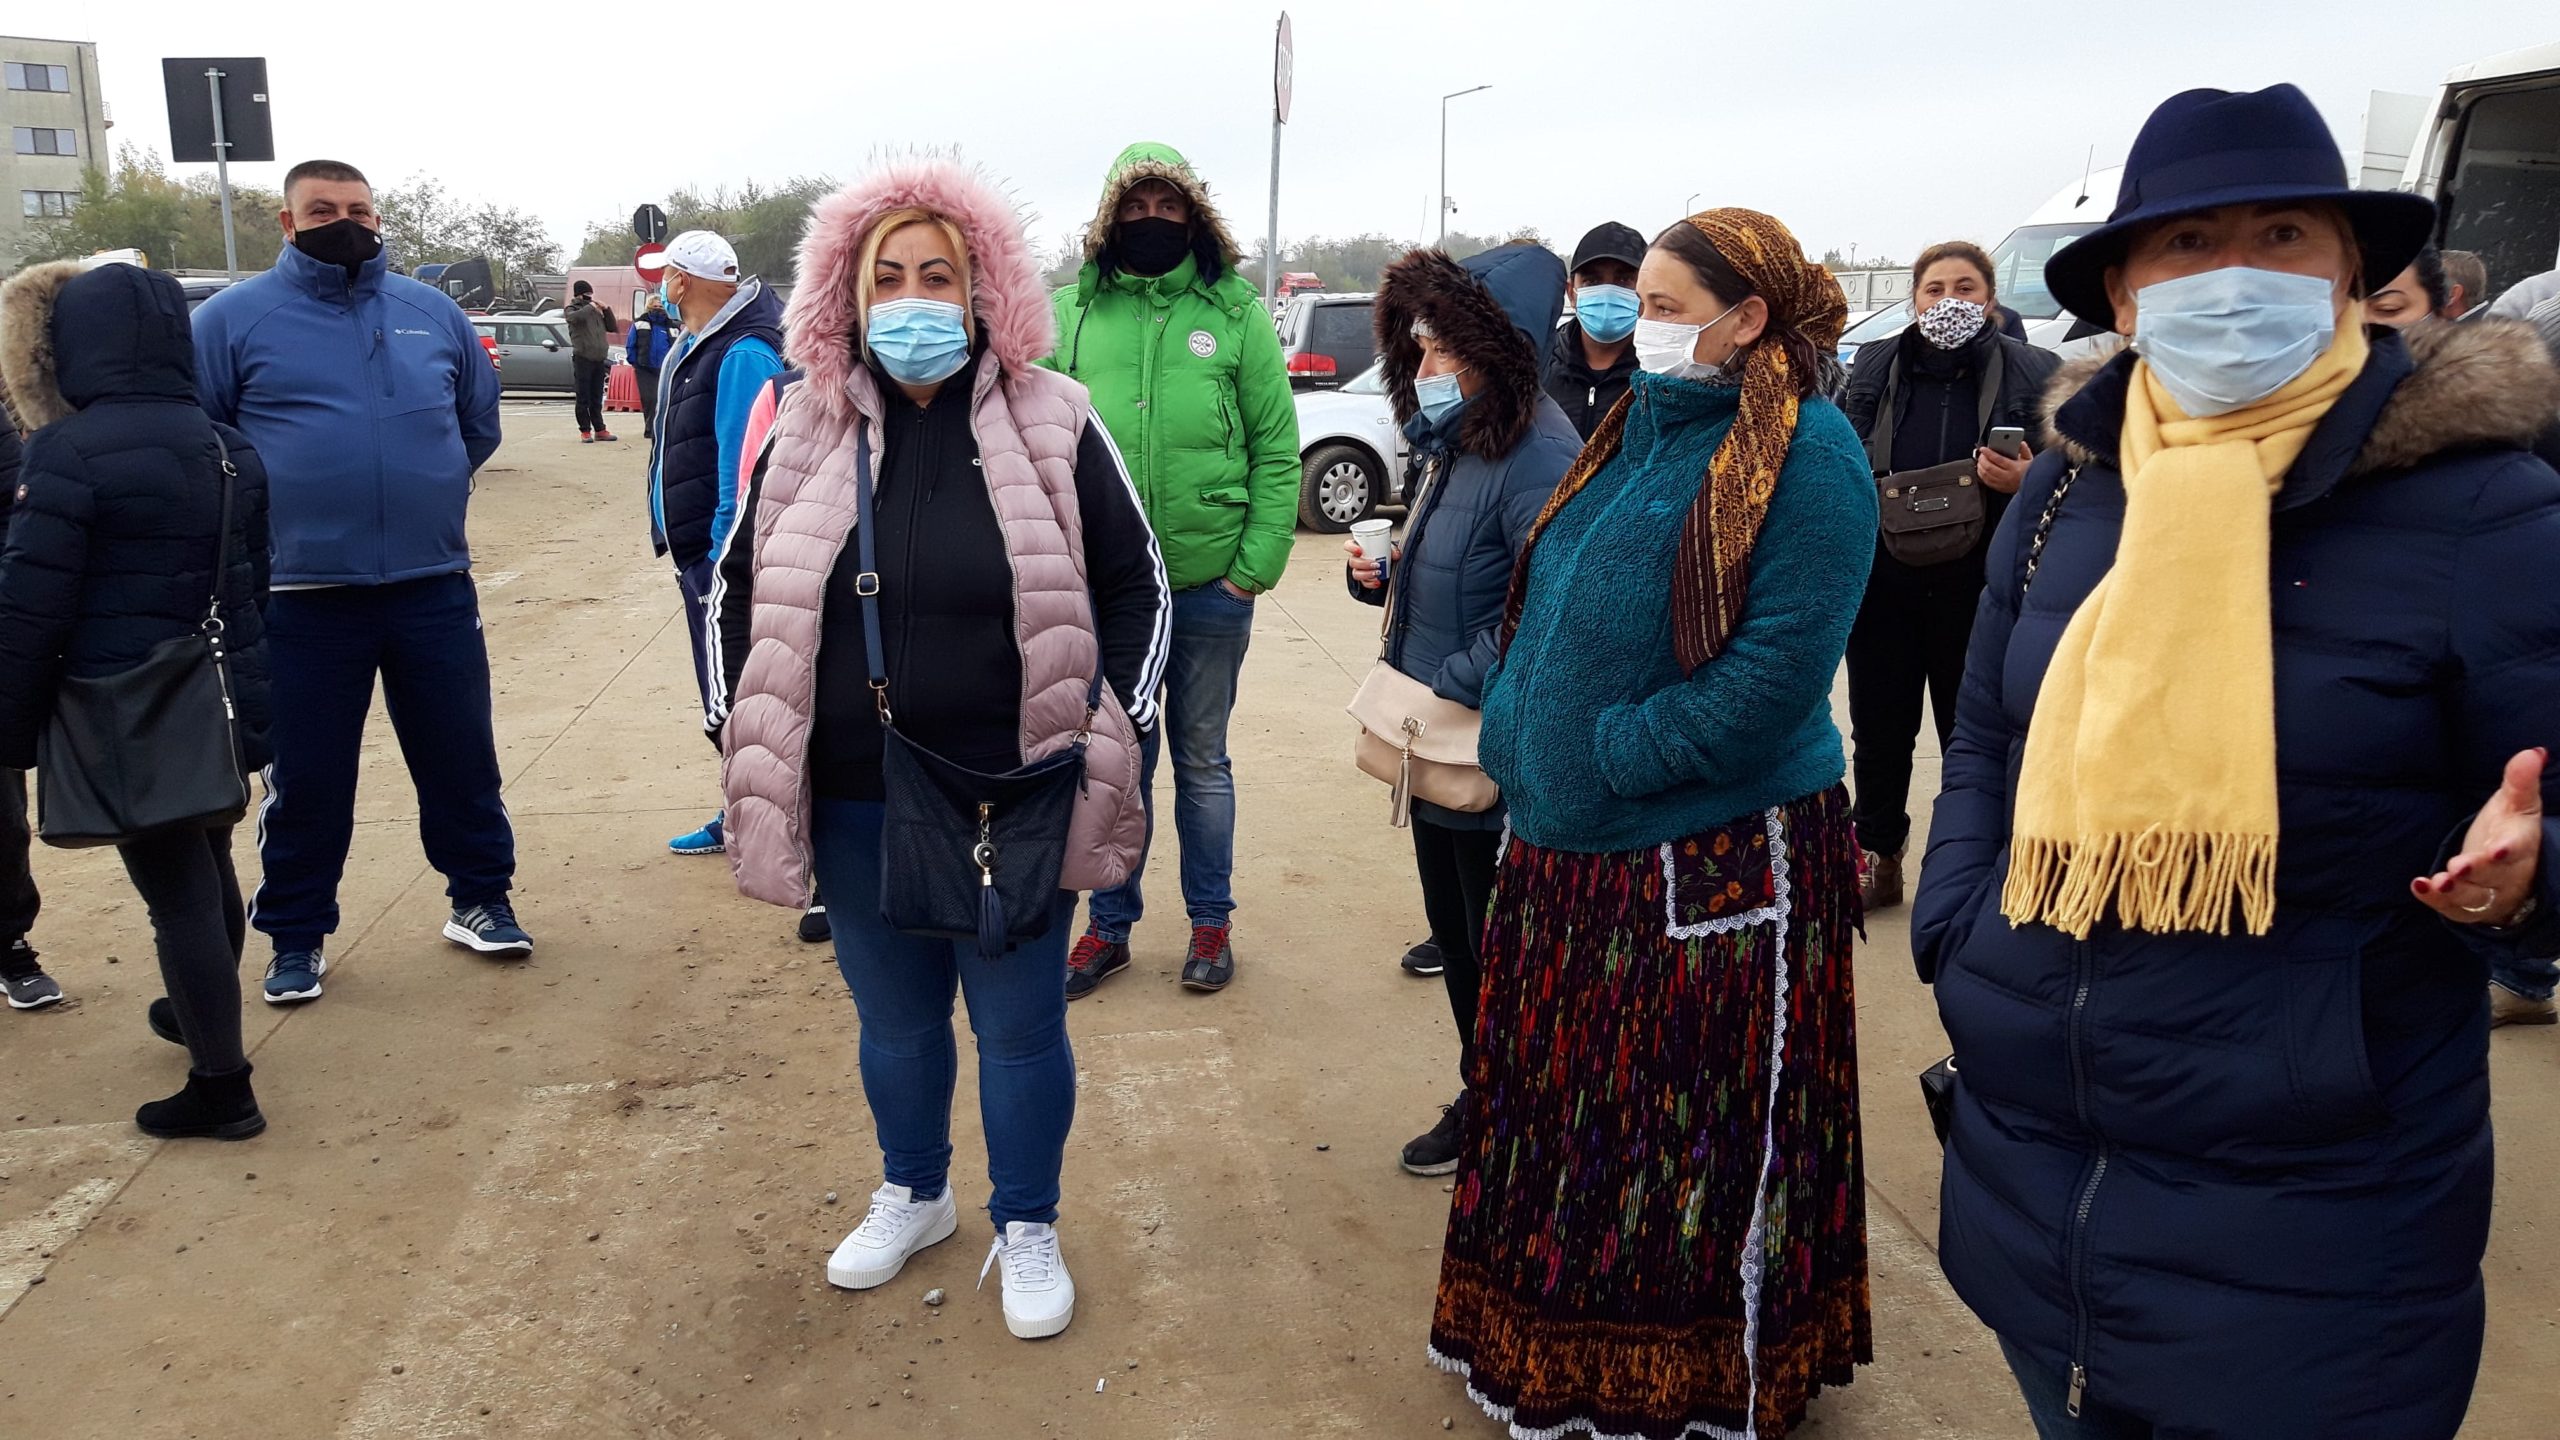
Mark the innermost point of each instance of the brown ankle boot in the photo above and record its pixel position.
(1883, 889)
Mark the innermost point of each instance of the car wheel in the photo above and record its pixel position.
(1341, 486)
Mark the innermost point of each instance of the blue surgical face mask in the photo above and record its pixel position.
(2229, 338)
(1438, 395)
(919, 342)
(670, 302)
(1607, 312)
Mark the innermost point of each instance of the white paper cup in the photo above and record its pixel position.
(1374, 537)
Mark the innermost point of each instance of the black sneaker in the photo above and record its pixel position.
(1435, 1152)
(1424, 959)
(1212, 965)
(1093, 961)
(814, 929)
(24, 982)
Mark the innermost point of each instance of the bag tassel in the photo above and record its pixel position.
(991, 937)
(1400, 797)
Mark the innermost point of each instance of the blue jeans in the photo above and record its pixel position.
(1210, 631)
(324, 648)
(2532, 979)
(902, 987)
(2048, 1396)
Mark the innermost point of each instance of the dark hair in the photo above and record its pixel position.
(1688, 244)
(1964, 250)
(2430, 268)
(338, 170)
(582, 288)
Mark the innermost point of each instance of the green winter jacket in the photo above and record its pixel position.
(1186, 376)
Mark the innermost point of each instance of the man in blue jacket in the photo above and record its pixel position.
(652, 337)
(373, 403)
(732, 345)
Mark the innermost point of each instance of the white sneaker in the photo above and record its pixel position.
(898, 1226)
(1039, 1295)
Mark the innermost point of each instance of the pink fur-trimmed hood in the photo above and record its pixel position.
(1007, 294)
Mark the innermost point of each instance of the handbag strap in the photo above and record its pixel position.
(2044, 528)
(866, 585)
(221, 535)
(1995, 373)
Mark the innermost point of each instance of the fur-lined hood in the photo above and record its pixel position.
(1006, 295)
(29, 389)
(73, 334)
(1148, 160)
(2483, 382)
(1491, 311)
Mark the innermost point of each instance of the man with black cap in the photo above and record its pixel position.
(590, 359)
(1594, 351)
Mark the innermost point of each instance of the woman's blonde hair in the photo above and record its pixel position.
(869, 263)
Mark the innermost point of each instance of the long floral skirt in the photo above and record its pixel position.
(1659, 1228)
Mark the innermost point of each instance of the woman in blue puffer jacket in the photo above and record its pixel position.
(2246, 787)
(1461, 341)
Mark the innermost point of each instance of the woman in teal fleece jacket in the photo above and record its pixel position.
(1661, 1161)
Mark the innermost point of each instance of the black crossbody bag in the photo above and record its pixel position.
(1938, 1082)
(964, 855)
(152, 748)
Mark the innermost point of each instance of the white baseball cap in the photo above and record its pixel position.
(704, 255)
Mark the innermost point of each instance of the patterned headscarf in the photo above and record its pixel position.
(1714, 563)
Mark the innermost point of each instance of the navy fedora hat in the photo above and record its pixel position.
(2208, 148)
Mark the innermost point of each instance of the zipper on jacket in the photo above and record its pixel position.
(915, 522)
(2076, 1243)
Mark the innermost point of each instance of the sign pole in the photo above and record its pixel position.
(222, 176)
(1283, 66)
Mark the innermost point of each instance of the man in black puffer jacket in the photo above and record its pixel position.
(115, 545)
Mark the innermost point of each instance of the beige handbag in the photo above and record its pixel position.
(1421, 745)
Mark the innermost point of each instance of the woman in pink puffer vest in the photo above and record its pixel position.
(1013, 559)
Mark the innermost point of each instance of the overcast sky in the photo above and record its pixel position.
(1880, 122)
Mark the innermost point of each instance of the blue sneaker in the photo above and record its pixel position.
(294, 976)
(711, 839)
(490, 929)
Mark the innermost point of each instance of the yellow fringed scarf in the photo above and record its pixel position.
(2150, 772)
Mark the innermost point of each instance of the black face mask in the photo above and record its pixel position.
(1151, 246)
(346, 244)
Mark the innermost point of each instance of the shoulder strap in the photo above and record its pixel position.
(866, 584)
(2044, 528)
(222, 532)
(1995, 373)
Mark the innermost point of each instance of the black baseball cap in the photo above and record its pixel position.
(1609, 241)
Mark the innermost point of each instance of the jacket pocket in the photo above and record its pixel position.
(418, 367)
(1233, 496)
(2334, 1091)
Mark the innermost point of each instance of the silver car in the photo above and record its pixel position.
(533, 350)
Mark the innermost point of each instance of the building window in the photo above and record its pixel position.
(41, 141)
(47, 204)
(39, 77)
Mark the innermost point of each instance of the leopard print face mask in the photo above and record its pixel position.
(1951, 324)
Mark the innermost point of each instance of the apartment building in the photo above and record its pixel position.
(57, 125)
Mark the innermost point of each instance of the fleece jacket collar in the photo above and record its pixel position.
(329, 282)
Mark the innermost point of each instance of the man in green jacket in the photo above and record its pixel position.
(1185, 369)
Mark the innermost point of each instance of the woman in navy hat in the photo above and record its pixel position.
(2248, 785)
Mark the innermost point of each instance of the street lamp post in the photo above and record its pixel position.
(1689, 206)
(1444, 156)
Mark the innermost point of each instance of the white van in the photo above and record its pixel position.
(2017, 264)
(2490, 159)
